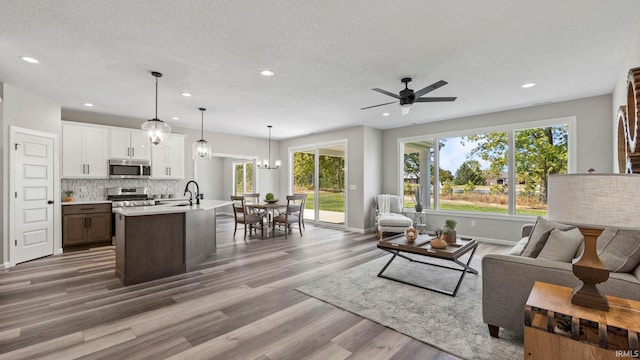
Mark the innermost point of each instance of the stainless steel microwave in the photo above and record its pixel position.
(129, 169)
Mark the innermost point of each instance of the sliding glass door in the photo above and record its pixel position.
(319, 172)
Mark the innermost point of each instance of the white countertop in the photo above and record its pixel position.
(85, 202)
(171, 208)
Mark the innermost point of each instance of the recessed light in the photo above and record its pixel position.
(88, 104)
(175, 118)
(385, 114)
(528, 85)
(186, 94)
(267, 73)
(30, 60)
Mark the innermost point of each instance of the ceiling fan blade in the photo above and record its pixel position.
(405, 109)
(435, 99)
(430, 88)
(369, 107)
(386, 93)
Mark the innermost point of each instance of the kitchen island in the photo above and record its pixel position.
(153, 242)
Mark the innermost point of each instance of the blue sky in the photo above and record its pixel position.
(453, 154)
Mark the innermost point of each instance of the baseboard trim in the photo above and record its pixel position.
(360, 231)
(58, 251)
(5, 266)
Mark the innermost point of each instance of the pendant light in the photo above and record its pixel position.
(156, 129)
(201, 148)
(266, 164)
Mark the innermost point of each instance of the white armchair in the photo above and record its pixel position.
(390, 216)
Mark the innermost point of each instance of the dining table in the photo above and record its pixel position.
(267, 210)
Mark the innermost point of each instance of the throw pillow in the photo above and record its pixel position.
(517, 248)
(539, 235)
(561, 245)
(619, 249)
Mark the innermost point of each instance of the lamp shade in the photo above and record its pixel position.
(156, 131)
(201, 149)
(595, 199)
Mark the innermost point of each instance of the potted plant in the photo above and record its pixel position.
(450, 230)
(68, 197)
(418, 200)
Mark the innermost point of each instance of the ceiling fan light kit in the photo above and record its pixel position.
(156, 129)
(407, 97)
(201, 148)
(266, 163)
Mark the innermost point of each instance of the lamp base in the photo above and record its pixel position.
(588, 294)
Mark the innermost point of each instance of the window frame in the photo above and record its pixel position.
(510, 128)
(244, 175)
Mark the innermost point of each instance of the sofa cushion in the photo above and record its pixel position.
(561, 245)
(539, 236)
(619, 249)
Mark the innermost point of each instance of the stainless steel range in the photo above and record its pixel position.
(125, 197)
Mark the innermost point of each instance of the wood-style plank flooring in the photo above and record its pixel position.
(240, 304)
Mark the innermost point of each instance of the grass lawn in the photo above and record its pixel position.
(488, 209)
(329, 201)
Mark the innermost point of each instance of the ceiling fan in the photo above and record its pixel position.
(407, 96)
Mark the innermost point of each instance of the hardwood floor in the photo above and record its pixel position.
(239, 304)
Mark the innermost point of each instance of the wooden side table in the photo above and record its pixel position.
(591, 333)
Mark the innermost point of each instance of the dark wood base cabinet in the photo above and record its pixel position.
(149, 247)
(86, 224)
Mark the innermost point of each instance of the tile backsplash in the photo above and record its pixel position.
(89, 190)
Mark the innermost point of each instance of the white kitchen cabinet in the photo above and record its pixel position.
(167, 162)
(85, 150)
(129, 144)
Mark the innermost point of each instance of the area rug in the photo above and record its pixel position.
(452, 324)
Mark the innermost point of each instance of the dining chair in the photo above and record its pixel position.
(242, 216)
(292, 214)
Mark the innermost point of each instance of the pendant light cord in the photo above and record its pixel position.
(269, 146)
(156, 98)
(202, 110)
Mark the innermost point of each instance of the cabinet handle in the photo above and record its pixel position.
(89, 222)
(88, 208)
(133, 152)
(128, 152)
(88, 169)
(169, 170)
(83, 165)
(85, 222)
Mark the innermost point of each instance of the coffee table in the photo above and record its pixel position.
(397, 245)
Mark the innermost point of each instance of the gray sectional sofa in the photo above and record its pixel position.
(508, 279)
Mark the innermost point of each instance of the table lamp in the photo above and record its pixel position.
(593, 201)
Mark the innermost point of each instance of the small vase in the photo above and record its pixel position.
(451, 237)
(438, 243)
(418, 207)
(67, 199)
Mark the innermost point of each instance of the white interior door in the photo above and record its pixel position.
(33, 187)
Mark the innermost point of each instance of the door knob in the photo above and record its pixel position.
(50, 202)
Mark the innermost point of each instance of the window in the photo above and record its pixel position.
(418, 161)
(242, 178)
(488, 171)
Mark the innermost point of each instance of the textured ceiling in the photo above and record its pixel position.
(326, 55)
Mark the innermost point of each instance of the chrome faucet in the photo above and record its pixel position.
(186, 190)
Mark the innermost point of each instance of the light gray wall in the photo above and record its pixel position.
(4, 139)
(372, 182)
(632, 60)
(594, 150)
(23, 109)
